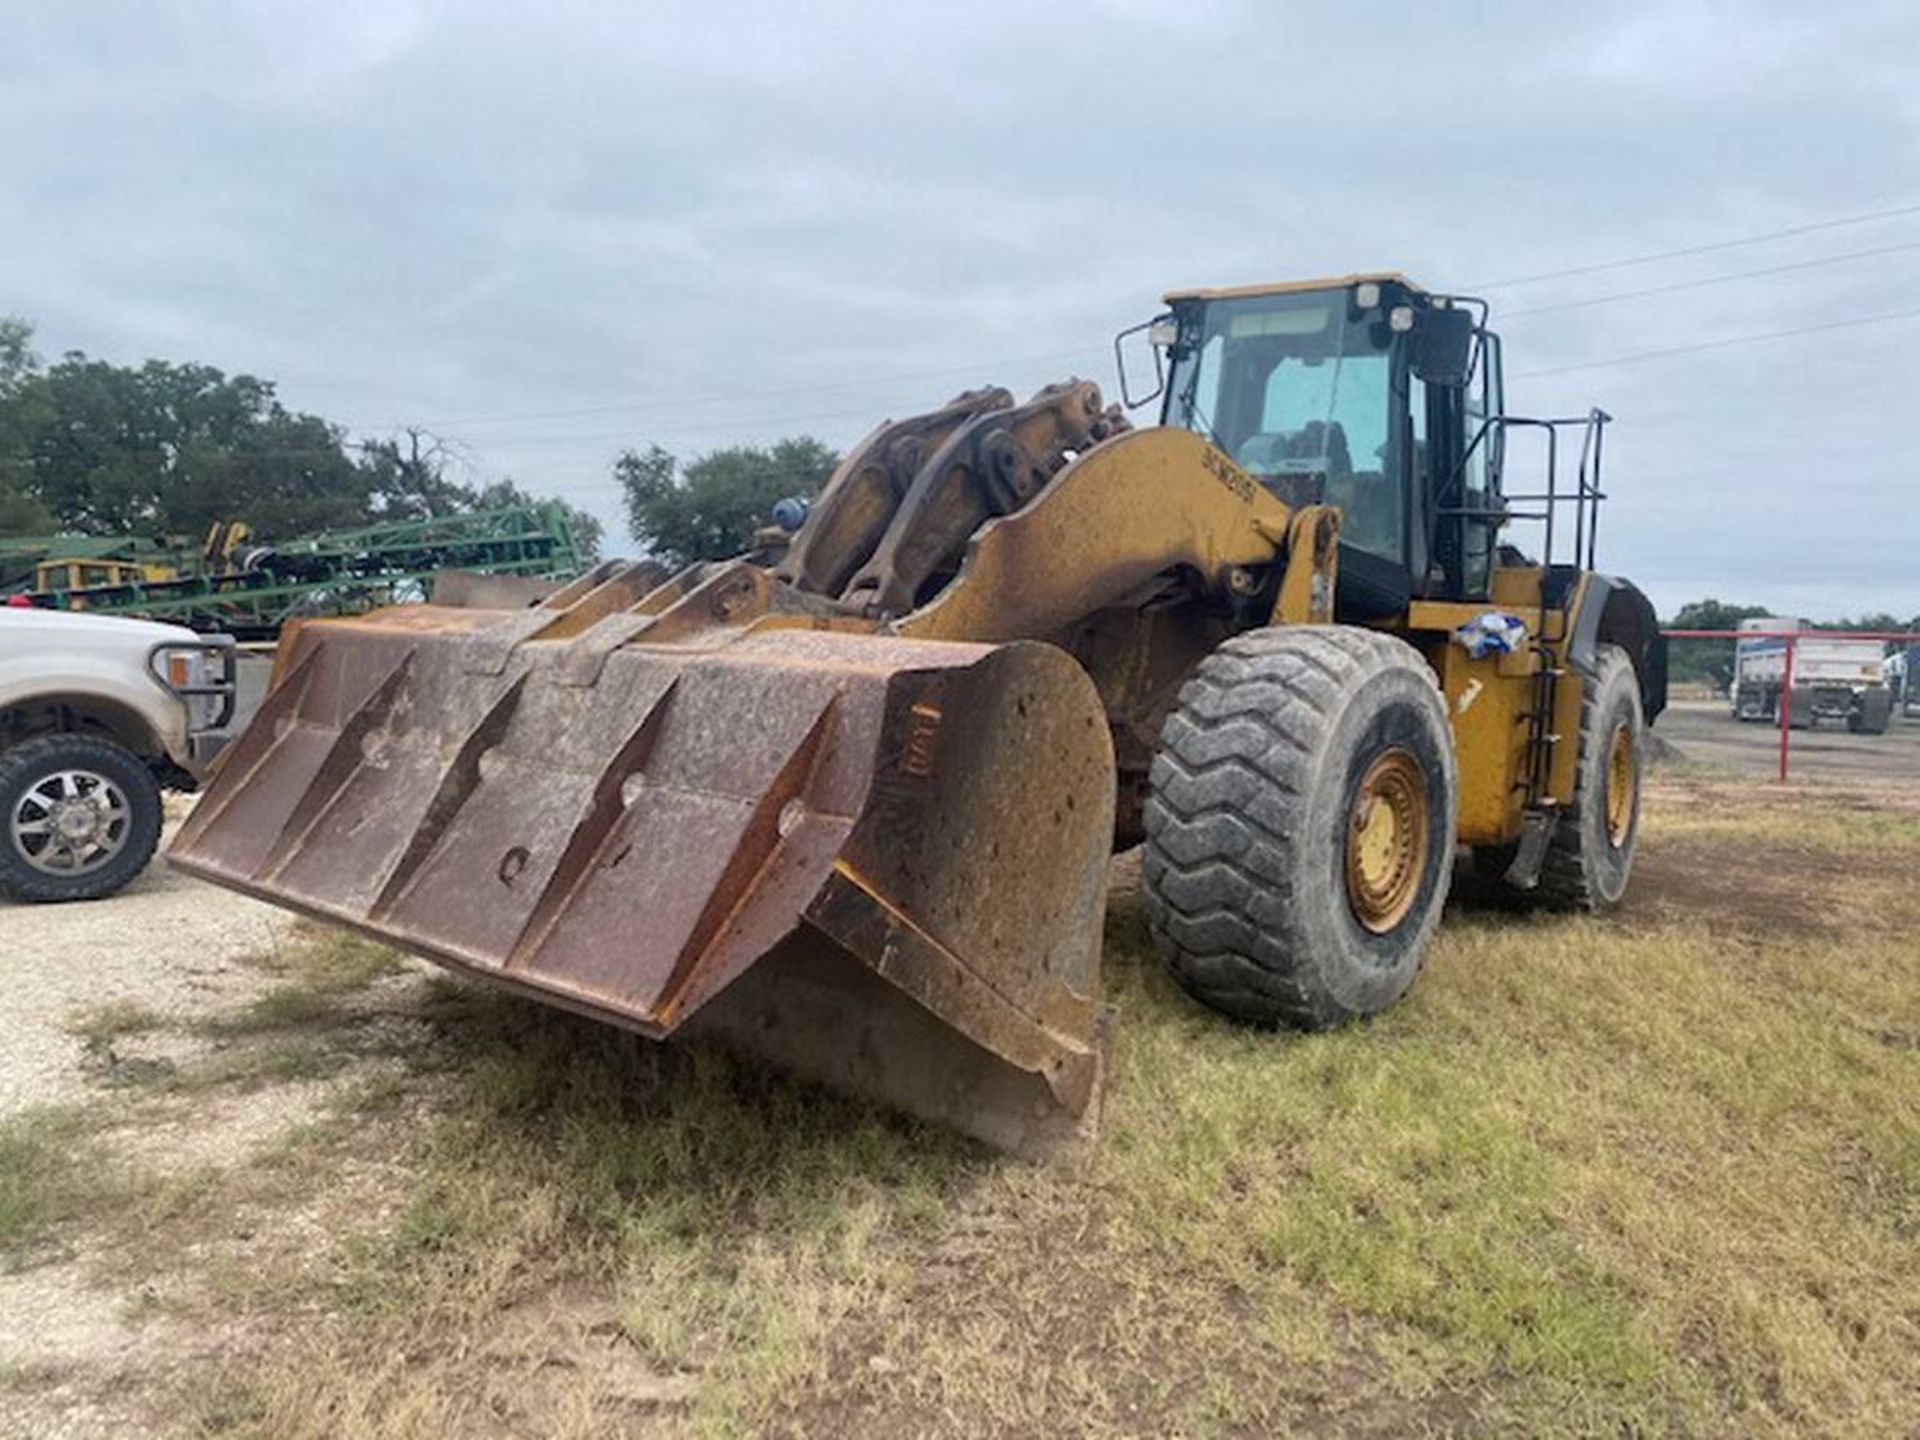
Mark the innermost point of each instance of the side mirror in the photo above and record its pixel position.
(1160, 333)
(1443, 347)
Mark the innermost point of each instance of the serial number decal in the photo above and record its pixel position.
(923, 729)
(1229, 474)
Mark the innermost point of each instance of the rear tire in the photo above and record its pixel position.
(1801, 714)
(1300, 825)
(1590, 857)
(1873, 713)
(37, 778)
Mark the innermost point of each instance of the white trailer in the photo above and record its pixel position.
(1903, 677)
(1833, 679)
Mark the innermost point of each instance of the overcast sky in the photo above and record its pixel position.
(547, 232)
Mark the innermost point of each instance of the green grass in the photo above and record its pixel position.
(725, 1220)
(1600, 1176)
(51, 1172)
(99, 1026)
(325, 967)
(1654, 1176)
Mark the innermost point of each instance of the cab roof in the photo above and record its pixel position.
(1292, 287)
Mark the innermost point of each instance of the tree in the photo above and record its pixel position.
(408, 477)
(163, 450)
(22, 412)
(709, 508)
(167, 449)
(1708, 662)
(1875, 620)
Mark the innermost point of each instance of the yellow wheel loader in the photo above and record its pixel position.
(847, 801)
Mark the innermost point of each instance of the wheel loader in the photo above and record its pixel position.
(847, 802)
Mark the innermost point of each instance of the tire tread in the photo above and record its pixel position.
(1565, 878)
(1226, 806)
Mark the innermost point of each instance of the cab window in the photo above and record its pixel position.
(1299, 386)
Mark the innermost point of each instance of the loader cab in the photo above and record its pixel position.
(1366, 393)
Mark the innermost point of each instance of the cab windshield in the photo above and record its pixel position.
(1298, 385)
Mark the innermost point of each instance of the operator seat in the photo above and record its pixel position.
(1281, 452)
(1319, 448)
(1373, 582)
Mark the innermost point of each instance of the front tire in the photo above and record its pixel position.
(79, 818)
(1300, 825)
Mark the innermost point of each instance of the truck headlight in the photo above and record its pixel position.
(180, 667)
(187, 671)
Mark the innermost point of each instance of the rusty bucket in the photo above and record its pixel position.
(878, 862)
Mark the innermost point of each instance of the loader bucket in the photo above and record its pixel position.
(878, 862)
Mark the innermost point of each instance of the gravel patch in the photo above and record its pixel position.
(83, 1359)
(81, 1356)
(169, 943)
(220, 1131)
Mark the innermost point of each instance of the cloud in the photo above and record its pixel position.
(436, 212)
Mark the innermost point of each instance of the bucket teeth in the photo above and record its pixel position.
(878, 861)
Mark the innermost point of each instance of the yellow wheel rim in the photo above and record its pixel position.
(1620, 777)
(1389, 834)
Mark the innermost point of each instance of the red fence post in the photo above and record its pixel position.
(1792, 638)
(1786, 710)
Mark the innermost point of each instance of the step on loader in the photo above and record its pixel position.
(847, 802)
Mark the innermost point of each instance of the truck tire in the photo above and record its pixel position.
(1801, 715)
(1590, 857)
(79, 818)
(1300, 825)
(1872, 712)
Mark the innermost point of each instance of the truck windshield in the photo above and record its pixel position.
(1297, 385)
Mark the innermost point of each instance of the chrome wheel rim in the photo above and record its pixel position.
(70, 822)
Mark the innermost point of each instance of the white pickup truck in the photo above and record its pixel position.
(97, 714)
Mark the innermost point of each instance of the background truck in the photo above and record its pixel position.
(1903, 676)
(1833, 678)
(97, 716)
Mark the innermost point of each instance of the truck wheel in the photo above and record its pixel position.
(1801, 716)
(1300, 825)
(1590, 856)
(79, 818)
(1872, 713)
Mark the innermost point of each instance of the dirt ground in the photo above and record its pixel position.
(96, 1002)
(1705, 734)
(167, 943)
(280, 1184)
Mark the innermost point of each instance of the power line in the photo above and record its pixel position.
(1710, 280)
(798, 418)
(1708, 248)
(1727, 343)
(661, 403)
(871, 382)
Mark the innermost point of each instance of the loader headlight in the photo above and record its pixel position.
(1366, 295)
(1400, 319)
